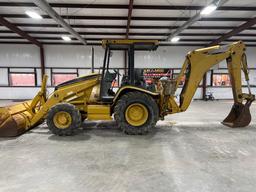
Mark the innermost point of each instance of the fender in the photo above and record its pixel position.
(129, 88)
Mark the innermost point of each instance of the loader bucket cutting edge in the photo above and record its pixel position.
(13, 119)
(239, 115)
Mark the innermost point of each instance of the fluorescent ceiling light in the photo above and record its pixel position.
(175, 39)
(33, 15)
(66, 38)
(209, 9)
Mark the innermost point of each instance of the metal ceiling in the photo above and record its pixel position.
(145, 19)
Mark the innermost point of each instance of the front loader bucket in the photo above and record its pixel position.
(239, 115)
(14, 120)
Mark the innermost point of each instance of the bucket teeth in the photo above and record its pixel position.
(239, 116)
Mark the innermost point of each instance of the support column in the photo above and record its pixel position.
(204, 86)
(125, 62)
(92, 69)
(131, 73)
(42, 60)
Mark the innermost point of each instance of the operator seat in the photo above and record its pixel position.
(139, 79)
(106, 93)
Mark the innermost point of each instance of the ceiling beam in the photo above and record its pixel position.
(99, 44)
(235, 31)
(99, 39)
(23, 34)
(43, 5)
(124, 26)
(48, 43)
(87, 17)
(215, 34)
(123, 34)
(192, 20)
(227, 40)
(123, 6)
(94, 43)
(129, 19)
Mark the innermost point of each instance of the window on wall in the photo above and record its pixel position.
(221, 80)
(22, 79)
(58, 78)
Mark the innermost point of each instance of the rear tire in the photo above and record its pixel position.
(144, 106)
(64, 119)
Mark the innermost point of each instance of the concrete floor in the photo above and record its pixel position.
(188, 152)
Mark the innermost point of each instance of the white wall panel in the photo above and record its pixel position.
(98, 56)
(19, 56)
(208, 80)
(48, 72)
(20, 92)
(22, 70)
(39, 77)
(82, 72)
(67, 56)
(252, 76)
(80, 56)
(3, 77)
(64, 71)
(117, 59)
(165, 57)
(251, 56)
(226, 92)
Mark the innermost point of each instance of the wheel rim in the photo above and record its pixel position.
(62, 120)
(136, 114)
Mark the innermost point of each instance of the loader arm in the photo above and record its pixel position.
(199, 61)
(16, 119)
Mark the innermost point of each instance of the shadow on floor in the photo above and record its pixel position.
(100, 129)
(109, 129)
(74, 138)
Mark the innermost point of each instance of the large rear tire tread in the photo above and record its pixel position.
(75, 115)
(136, 97)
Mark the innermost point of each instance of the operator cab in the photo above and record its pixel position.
(133, 77)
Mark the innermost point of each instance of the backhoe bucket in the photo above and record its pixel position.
(239, 115)
(14, 120)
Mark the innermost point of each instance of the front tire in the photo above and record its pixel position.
(64, 119)
(136, 113)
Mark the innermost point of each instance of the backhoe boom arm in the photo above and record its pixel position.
(199, 61)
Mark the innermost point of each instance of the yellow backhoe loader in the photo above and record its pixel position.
(135, 106)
